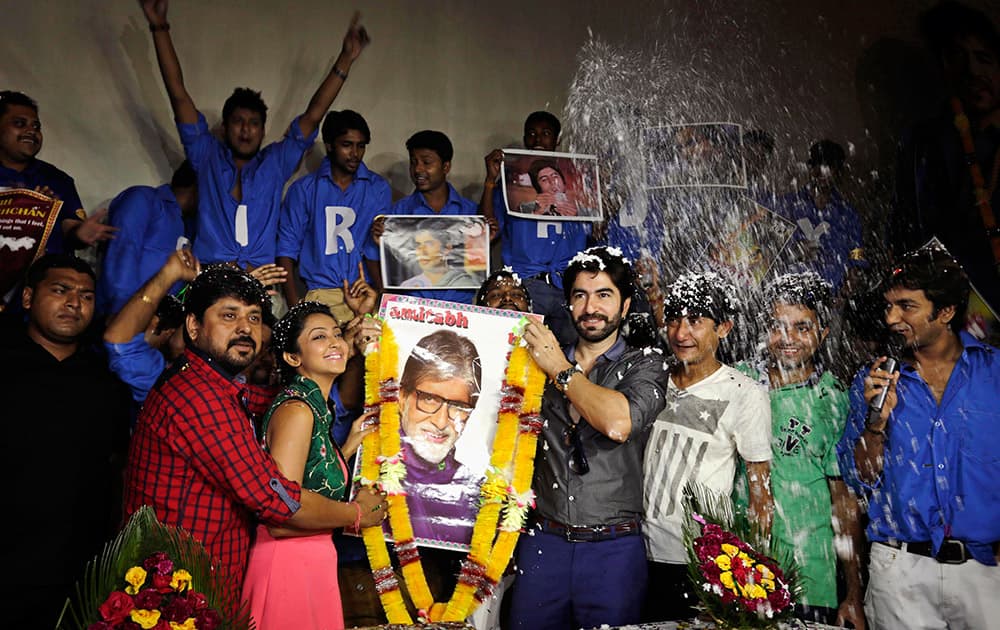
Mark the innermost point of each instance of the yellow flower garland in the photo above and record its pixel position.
(513, 454)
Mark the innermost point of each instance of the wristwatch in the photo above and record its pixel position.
(563, 378)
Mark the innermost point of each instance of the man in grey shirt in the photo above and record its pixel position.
(583, 562)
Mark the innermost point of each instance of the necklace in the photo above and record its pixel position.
(505, 495)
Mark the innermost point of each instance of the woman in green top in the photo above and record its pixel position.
(291, 579)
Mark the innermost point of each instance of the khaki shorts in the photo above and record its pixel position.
(334, 298)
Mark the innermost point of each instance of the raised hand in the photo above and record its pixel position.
(493, 162)
(270, 274)
(92, 231)
(155, 10)
(356, 38)
(360, 297)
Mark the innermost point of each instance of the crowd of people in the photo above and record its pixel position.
(239, 427)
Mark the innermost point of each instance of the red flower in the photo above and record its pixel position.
(197, 600)
(208, 619)
(148, 599)
(162, 624)
(179, 609)
(159, 563)
(116, 607)
(161, 583)
(100, 625)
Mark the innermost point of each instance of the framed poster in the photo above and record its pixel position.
(435, 252)
(450, 368)
(551, 186)
(697, 155)
(27, 218)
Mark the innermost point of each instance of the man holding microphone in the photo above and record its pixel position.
(926, 459)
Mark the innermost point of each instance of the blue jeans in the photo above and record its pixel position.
(560, 585)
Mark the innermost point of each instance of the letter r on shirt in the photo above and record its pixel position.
(339, 220)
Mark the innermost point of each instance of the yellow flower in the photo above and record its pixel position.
(730, 550)
(753, 591)
(180, 581)
(145, 618)
(136, 577)
(187, 625)
(727, 580)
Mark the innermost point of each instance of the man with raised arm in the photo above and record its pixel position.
(928, 461)
(584, 563)
(194, 456)
(326, 219)
(536, 250)
(240, 184)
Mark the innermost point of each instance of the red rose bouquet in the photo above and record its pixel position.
(739, 584)
(154, 577)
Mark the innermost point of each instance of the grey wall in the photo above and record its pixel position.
(850, 70)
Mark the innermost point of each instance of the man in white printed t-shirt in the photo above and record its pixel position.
(713, 416)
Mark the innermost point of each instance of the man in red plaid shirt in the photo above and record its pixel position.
(194, 456)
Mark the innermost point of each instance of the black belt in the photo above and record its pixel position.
(952, 551)
(589, 533)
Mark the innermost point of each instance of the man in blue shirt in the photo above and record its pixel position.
(20, 143)
(828, 234)
(151, 223)
(536, 250)
(326, 220)
(929, 461)
(239, 184)
(430, 162)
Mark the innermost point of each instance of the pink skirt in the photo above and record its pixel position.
(292, 583)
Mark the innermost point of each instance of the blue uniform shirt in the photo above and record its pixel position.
(327, 229)
(241, 231)
(823, 238)
(40, 173)
(456, 205)
(531, 246)
(149, 225)
(137, 364)
(941, 462)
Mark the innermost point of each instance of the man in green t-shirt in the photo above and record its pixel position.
(816, 515)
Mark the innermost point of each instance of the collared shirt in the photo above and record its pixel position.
(824, 238)
(241, 231)
(41, 173)
(64, 422)
(941, 462)
(612, 491)
(195, 459)
(137, 364)
(442, 498)
(532, 246)
(328, 229)
(457, 205)
(149, 225)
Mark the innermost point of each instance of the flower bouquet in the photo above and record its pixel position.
(738, 583)
(153, 576)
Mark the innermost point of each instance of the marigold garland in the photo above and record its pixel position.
(504, 496)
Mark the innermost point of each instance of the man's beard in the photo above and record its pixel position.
(235, 365)
(610, 327)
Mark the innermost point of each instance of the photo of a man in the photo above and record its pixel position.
(437, 252)
(552, 185)
(439, 388)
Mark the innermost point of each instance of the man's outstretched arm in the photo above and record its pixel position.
(354, 42)
(185, 111)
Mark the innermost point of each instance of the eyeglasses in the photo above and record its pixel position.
(577, 458)
(431, 403)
